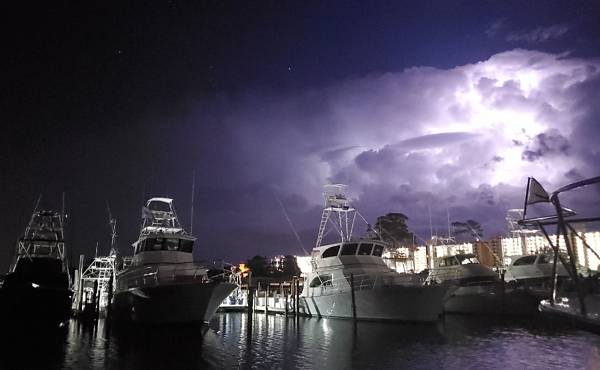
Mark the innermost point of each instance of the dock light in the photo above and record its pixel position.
(244, 269)
(34, 285)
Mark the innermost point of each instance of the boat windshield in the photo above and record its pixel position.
(331, 252)
(365, 249)
(378, 250)
(467, 259)
(166, 244)
(349, 249)
(527, 260)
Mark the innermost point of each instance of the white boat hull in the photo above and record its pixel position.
(393, 303)
(170, 303)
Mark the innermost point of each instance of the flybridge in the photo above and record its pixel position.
(160, 213)
(338, 214)
(43, 237)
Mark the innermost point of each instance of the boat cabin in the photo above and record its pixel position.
(163, 247)
(461, 269)
(533, 267)
(456, 260)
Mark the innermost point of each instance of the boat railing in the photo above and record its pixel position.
(440, 276)
(368, 281)
(178, 273)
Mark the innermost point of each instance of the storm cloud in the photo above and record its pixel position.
(419, 141)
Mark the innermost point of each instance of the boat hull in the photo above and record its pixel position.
(490, 299)
(386, 303)
(567, 309)
(36, 306)
(170, 303)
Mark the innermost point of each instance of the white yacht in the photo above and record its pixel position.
(462, 269)
(349, 279)
(474, 288)
(535, 269)
(162, 283)
(477, 289)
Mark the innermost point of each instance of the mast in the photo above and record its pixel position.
(192, 205)
(448, 214)
(430, 224)
(112, 222)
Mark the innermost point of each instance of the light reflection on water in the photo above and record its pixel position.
(454, 342)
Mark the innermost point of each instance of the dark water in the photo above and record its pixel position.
(274, 342)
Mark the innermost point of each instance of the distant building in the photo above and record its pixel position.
(491, 252)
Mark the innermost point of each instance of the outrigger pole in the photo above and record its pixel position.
(535, 194)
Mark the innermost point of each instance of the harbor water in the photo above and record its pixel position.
(277, 342)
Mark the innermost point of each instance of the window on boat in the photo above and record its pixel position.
(545, 258)
(186, 245)
(450, 261)
(467, 259)
(331, 252)
(378, 250)
(349, 249)
(365, 249)
(159, 206)
(321, 280)
(172, 244)
(155, 244)
(527, 260)
(147, 245)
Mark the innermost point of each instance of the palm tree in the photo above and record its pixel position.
(392, 228)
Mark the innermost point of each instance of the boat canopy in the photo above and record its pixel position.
(162, 200)
(352, 248)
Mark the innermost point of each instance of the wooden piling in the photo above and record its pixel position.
(286, 302)
(95, 300)
(109, 298)
(267, 299)
(80, 285)
(503, 291)
(353, 298)
(297, 291)
(250, 300)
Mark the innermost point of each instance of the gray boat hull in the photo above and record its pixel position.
(193, 302)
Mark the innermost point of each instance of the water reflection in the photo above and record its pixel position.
(232, 340)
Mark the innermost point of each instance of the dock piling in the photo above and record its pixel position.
(267, 299)
(297, 297)
(353, 298)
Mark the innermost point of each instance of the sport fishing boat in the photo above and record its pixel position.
(349, 279)
(533, 270)
(163, 284)
(577, 300)
(477, 289)
(37, 288)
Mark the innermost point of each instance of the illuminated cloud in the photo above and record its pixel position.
(539, 34)
(502, 28)
(463, 140)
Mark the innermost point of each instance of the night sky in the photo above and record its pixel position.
(445, 106)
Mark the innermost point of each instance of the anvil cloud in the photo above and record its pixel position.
(462, 140)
